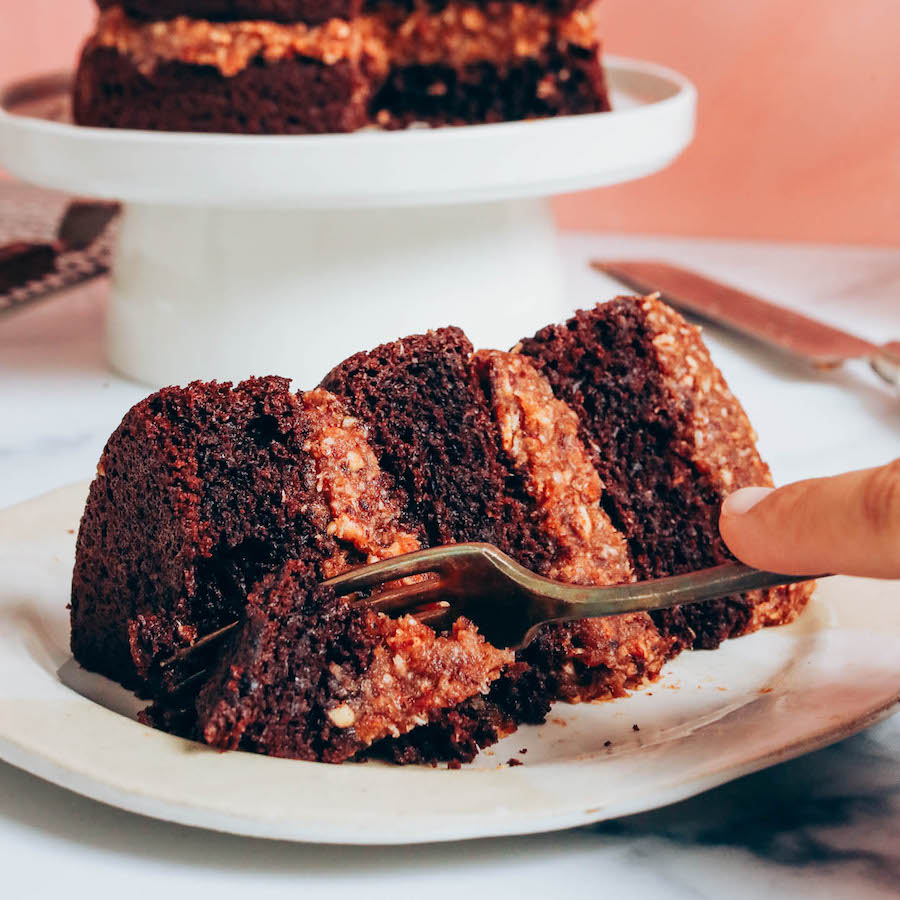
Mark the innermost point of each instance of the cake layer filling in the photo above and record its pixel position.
(540, 434)
(309, 676)
(457, 35)
(592, 658)
(362, 508)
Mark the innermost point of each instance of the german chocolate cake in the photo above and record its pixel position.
(595, 452)
(314, 66)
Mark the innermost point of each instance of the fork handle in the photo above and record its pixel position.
(676, 590)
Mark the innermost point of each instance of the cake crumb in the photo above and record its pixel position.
(607, 743)
(635, 728)
(515, 762)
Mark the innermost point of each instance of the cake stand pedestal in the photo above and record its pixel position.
(227, 293)
(242, 255)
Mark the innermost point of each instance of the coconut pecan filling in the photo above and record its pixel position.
(359, 502)
(413, 674)
(457, 35)
(540, 434)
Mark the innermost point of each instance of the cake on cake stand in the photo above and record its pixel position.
(240, 255)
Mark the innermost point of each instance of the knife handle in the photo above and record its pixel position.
(886, 363)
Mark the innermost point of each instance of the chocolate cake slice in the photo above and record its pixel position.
(669, 441)
(199, 494)
(313, 677)
(301, 67)
(597, 452)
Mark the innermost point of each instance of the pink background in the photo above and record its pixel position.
(799, 130)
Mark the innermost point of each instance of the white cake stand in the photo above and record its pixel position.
(242, 255)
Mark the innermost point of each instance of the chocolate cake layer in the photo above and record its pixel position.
(200, 492)
(670, 441)
(456, 65)
(313, 12)
(556, 83)
(312, 677)
(298, 96)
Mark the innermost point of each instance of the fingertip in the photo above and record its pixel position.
(743, 500)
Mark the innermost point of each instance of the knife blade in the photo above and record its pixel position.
(816, 342)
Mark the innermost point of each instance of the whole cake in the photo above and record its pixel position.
(314, 66)
(596, 452)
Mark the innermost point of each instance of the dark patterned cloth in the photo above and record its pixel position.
(31, 215)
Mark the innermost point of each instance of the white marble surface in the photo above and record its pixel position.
(824, 825)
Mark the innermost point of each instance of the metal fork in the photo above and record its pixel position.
(509, 603)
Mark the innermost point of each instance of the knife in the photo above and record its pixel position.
(823, 346)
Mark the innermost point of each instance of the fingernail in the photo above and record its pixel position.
(742, 501)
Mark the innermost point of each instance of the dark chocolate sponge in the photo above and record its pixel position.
(294, 96)
(560, 81)
(200, 492)
(274, 685)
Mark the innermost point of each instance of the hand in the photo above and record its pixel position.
(848, 524)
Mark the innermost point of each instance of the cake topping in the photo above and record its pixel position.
(456, 35)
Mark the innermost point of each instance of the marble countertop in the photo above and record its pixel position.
(825, 825)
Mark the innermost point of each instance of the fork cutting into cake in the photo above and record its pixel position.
(594, 454)
(506, 601)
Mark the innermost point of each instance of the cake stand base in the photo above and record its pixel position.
(218, 293)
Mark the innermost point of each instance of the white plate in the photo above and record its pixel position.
(713, 716)
(652, 122)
